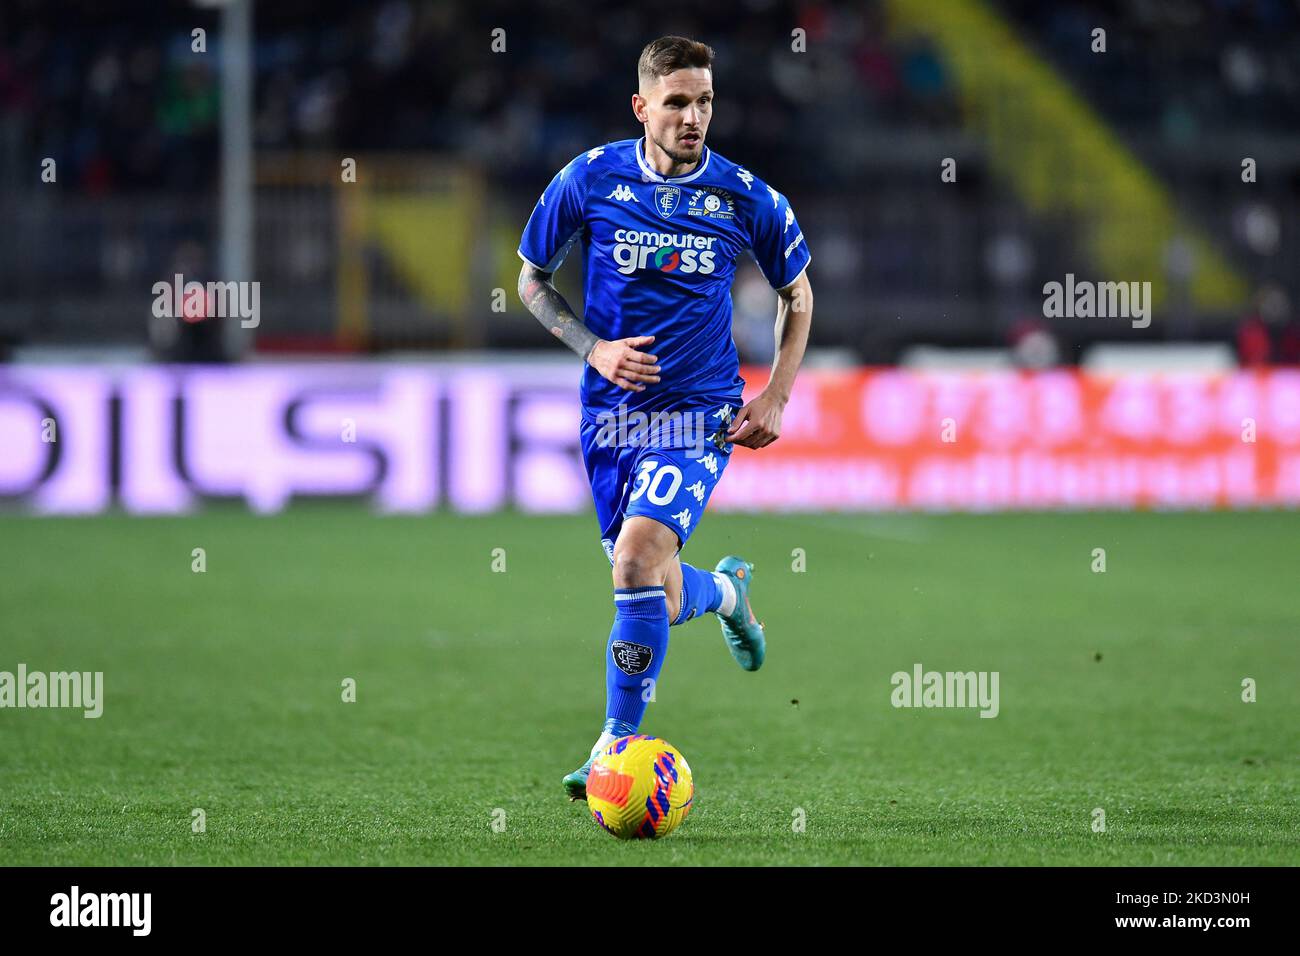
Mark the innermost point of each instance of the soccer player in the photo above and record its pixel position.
(662, 221)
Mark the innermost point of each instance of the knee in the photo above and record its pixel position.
(636, 567)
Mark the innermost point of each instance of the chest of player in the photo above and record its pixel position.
(686, 233)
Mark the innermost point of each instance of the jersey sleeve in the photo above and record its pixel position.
(556, 221)
(776, 239)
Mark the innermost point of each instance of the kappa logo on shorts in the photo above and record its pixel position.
(631, 659)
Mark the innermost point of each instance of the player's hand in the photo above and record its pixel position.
(620, 362)
(758, 423)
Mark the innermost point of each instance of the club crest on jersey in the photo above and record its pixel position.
(667, 199)
(712, 204)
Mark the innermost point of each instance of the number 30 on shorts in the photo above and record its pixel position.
(653, 487)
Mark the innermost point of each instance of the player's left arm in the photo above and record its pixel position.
(758, 423)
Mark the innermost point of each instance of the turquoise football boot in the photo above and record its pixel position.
(575, 784)
(743, 631)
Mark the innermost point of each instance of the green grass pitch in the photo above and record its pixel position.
(477, 690)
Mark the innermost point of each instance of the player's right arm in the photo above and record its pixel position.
(555, 225)
(620, 361)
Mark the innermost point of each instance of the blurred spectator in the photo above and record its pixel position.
(1254, 345)
(1033, 344)
(1265, 335)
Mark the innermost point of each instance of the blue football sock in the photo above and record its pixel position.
(638, 642)
(700, 593)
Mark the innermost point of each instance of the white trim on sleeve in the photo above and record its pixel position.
(796, 278)
(520, 253)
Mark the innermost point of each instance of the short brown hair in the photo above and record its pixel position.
(669, 54)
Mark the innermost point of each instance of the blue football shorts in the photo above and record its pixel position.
(663, 467)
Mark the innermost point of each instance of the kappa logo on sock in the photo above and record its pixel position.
(631, 659)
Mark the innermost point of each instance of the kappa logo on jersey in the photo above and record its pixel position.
(631, 658)
(667, 199)
(746, 176)
(789, 221)
(594, 154)
(712, 204)
(623, 193)
(776, 197)
(666, 252)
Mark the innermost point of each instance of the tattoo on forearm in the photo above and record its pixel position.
(550, 309)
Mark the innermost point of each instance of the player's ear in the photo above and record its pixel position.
(638, 107)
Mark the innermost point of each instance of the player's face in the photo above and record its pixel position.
(676, 110)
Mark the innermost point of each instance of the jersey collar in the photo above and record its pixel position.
(653, 176)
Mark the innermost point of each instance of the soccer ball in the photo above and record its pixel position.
(640, 788)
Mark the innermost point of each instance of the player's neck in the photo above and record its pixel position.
(663, 164)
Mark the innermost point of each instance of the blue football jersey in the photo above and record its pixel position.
(659, 256)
